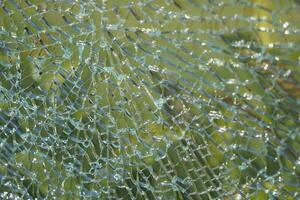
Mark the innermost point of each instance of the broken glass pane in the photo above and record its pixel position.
(149, 99)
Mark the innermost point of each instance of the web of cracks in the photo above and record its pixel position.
(146, 99)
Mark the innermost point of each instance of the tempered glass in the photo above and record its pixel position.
(149, 99)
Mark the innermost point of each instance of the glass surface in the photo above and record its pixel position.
(150, 99)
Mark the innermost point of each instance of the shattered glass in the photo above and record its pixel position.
(149, 99)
